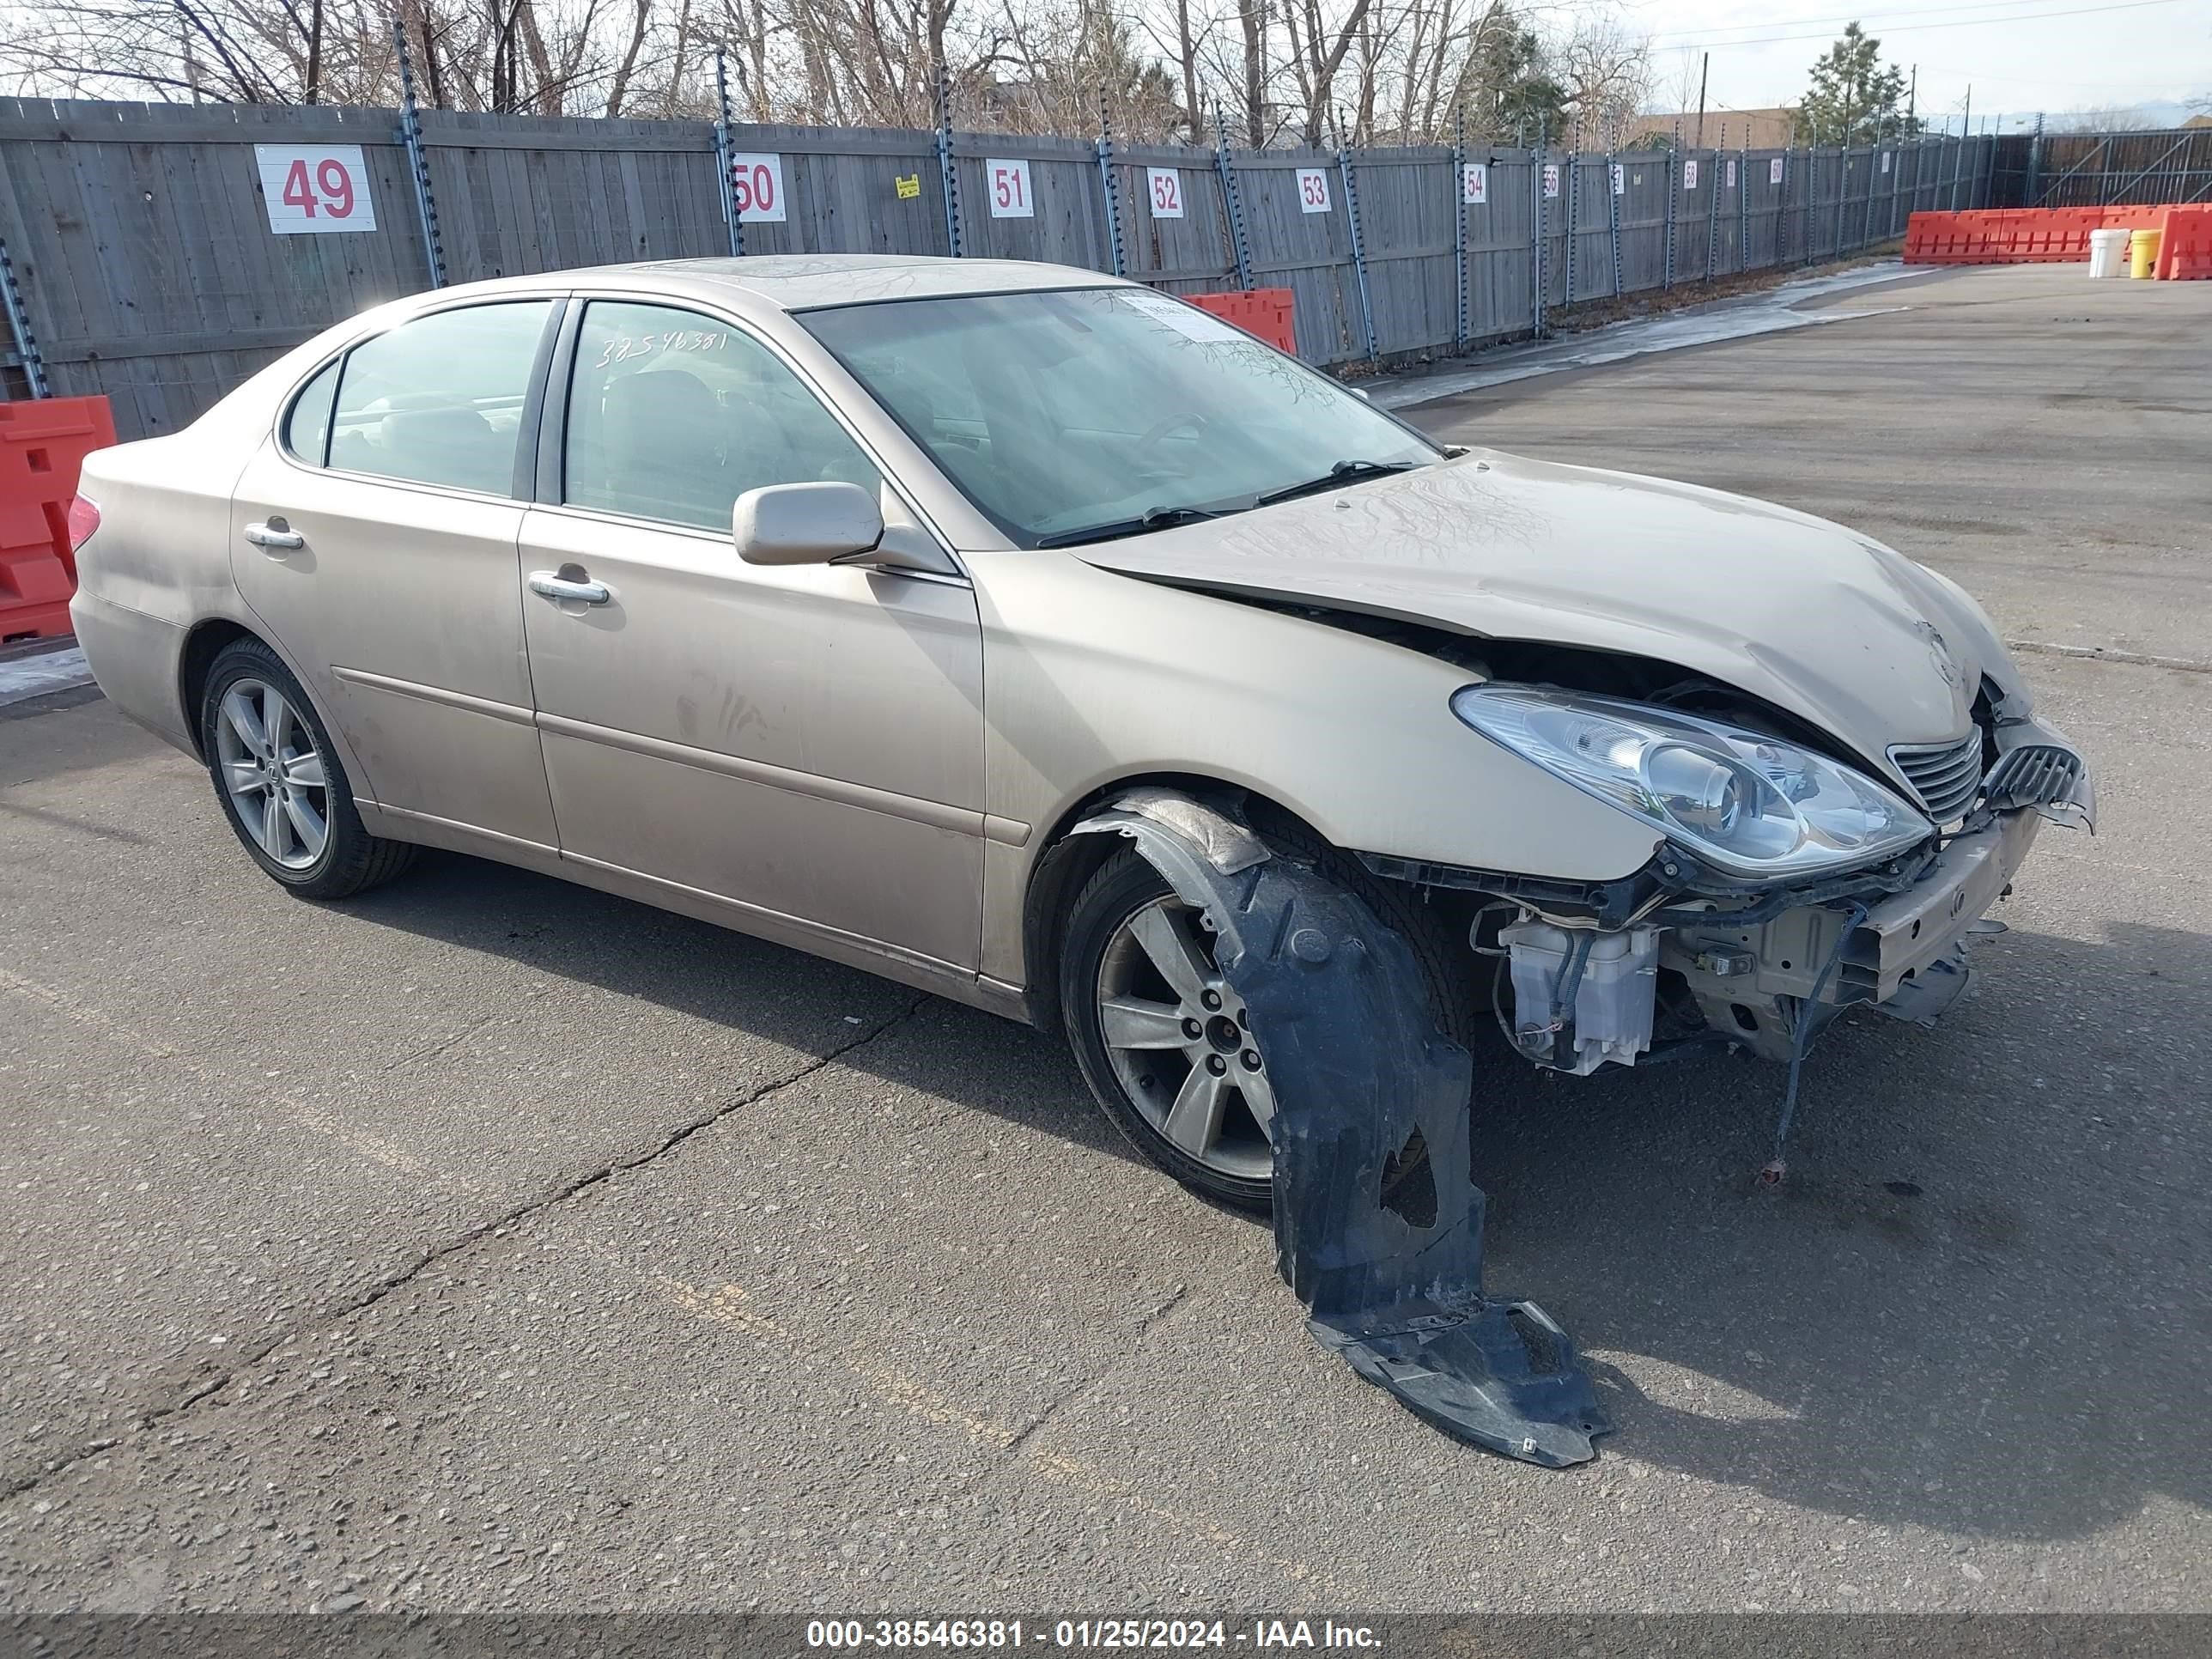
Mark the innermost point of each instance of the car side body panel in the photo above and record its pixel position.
(1093, 676)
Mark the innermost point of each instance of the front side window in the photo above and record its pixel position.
(439, 400)
(673, 416)
(1070, 415)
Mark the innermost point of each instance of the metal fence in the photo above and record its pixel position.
(2095, 169)
(149, 265)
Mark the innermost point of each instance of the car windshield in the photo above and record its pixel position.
(1077, 415)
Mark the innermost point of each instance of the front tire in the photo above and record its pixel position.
(279, 781)
(1161, 1037)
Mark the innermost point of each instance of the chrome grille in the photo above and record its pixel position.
(2034, 775)
(1944, 775)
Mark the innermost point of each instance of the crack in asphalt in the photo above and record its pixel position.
(2109, 653)
(17, 1484)
(1084, 1389)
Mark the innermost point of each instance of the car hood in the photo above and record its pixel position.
(1815, 619)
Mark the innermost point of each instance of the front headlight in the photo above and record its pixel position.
(1749, 803)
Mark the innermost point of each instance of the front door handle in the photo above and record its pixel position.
(553, 585)
(275, 536)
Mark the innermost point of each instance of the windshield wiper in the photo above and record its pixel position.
(1342, 472)
(1157, 517)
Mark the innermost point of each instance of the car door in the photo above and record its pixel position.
(802, 743)
(375, 535)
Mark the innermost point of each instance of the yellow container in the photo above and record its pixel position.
(2142, 253)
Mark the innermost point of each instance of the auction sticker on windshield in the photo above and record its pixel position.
(1187, 321)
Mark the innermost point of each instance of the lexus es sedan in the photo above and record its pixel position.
(833, 598)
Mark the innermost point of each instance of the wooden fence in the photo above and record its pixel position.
(146, 265)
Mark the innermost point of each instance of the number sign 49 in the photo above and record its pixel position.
(314, 190)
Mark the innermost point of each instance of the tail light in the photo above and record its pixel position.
(83, 520)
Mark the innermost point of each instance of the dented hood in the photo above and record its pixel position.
(1812, 617)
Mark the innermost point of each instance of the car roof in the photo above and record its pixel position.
(801, 281)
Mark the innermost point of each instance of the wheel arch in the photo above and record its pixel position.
(1067, 862)
(203, 645)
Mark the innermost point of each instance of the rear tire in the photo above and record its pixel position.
(279, 781)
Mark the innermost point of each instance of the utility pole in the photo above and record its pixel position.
(1703, 64)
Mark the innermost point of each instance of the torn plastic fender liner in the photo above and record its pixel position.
(1341, 1010)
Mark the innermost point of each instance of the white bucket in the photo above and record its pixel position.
(2108, 253)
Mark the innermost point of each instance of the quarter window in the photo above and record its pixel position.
(673, 416)
(439, 400)
(308, 427)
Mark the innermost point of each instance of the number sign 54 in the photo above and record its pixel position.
(314, 190)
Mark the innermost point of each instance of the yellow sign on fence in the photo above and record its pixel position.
(910, 185)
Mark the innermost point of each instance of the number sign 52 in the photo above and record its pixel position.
(314, 190)
(1164, 186)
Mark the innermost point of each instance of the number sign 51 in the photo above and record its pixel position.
(316, 190)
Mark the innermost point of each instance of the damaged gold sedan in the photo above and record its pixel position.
(1038, 640)
(826, 597)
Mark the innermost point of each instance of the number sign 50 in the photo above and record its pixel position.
(756, 188)
(314, 190)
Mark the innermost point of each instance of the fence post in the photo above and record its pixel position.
(1233, 205)
(1782, 207)
(19, 327)
(945, 172)
(1713, 205)
(1106, 179)
(1540, 224)
(418, 168)
(1358, 251)
(731, 220)
(1812, 187)
(1613, 217)
(1743, 204)
(1574, 220)
(1843, 188)
(1674, 161)
(1459, 201)
(1866, 225)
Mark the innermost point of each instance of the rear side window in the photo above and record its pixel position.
(439, 400)
(308, 427)
(673, 416)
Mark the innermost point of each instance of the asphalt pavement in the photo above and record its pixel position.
(491, 1242)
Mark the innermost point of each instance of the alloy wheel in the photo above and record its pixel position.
(270, 766)
(1180, 1044)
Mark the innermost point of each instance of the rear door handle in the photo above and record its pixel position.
(276, 534)
(555, 586)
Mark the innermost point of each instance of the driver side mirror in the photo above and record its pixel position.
(804, 523)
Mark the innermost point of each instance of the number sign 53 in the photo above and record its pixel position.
(314, 190)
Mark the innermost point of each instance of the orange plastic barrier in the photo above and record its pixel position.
(2014, 236)
(43, 443)
(2185, 253)
(1265, 312)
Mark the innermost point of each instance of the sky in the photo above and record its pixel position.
(2019, 56)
